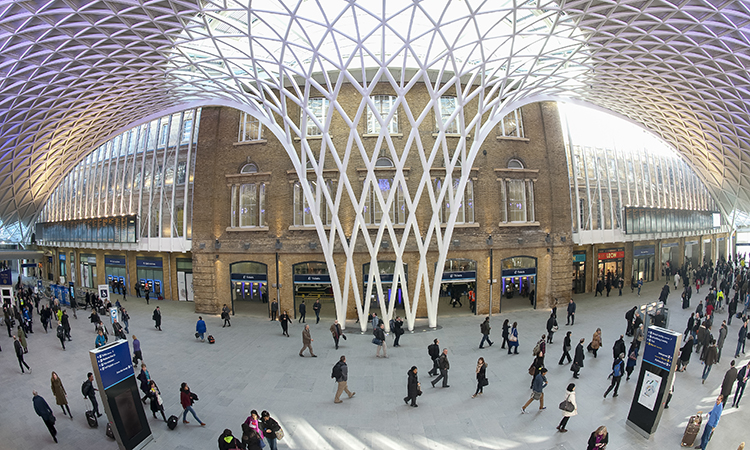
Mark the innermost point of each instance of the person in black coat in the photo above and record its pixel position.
(551, 327)
(412, 387)
(302, 312)
(397, 330)
(506, 331)
(685, 353)
(567, 345)
(578, 358)
(270, 428)
(629, 319)
(481, 377)
(43, 410)
(598, 439)
(157, 318)
(618, 348)
(157, 403)
(227, 441)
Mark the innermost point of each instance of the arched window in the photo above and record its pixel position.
(249, 201)
(515, 164)
(249, 168)
(384, 162)
(303, 211)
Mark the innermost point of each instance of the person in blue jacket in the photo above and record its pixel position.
(100, 339)
(200, 329)
(712, 422)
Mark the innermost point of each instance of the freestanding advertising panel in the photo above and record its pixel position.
(113, 370)
(654, 380)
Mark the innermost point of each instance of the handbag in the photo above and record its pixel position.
(280, 434)
(197, 335)
(567, 406)
(555, 328)
(376, 341)
(484, 382)
(532, 370)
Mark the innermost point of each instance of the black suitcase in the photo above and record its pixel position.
(91, 419)
(211, 339)
(109, 432)
(172, 422)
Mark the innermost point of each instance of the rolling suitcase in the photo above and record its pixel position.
(172, 422)
(691, 432)
(91, 418)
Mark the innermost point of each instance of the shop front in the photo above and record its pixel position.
(249, 286)
(115, 271)
(610, 264)
(669, 256)
(579, 272)
(88, 271)
(150, 275)
(644, 258)
(185, 280)
(458, 284)
(692, 253)
(387, 270)
(708, 254)
(312, 282)
(518, 282)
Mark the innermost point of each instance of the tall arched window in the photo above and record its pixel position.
(517, 193)
(248, 199)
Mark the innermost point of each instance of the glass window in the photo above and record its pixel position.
(249, 168)
(448, 107)
(250, 128)
(252, 205)
(164, 135)
(512, 124)
(303, 212)
(516, 194)
(384, 104)
(317, 109)
(466, 208)
(187, 130)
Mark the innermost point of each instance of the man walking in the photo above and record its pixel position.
(710, 359)
(742, 377)
(340, 373)
(316, 309)
(200, 329)
(137, 355)
(618, 348)
(65, 319)
(125, 320)
(712, 422)
(578, 358)
(484, 327)
(307, 342)
(397, 329)
(618, 368)
(45, 412)
(302, 312)
(571, 313)
(728, 383)
(19, 354)
(629, 317)
(741, 341)
(537, 390)
(380, 336)
(434, 351)
(444, 366)
(156, 317)
(274, 310)
(720, 342)
(89, 391)
(337, 333)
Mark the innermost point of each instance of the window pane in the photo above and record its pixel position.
(248, 205)
(447, 107)
(512, 124)
(317, 108)
(516, 201)
(250, 128)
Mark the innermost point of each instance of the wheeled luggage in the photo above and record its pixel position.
(211, 339)
(172, 422)
(91, 417)
(692, 429)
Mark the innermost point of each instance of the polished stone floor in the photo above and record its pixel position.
(252, 366)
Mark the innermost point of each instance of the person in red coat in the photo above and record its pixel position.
(186, 400)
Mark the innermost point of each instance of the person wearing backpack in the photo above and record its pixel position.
(61, 334)
(618, 368)
(434, 351)
(340, 373)
(89, 391)
(397, 328)
(484, 328)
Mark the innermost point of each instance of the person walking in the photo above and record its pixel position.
(742, 338)
(567, 346)
(379, 340)
(434, 351)
(537, 391)
(100, 339)
(571, 319)
(742, 377)
(144, 377)
(618, 368)
(723, 330)
(506, 333)
(578, 359)
(22, 339)
(58, 390)
(513, 339)
(270, 428)
(43, 410)
(551, 326)
(484, 328)
(337, 333)
(284, 320)
(307, 342)
(710, 360)
(397, 327)
(444, 365)
(187, 399)
(137, 354)
(629, 317)
(229, 442)
(89, 391)
(412, 387)
(481, 377)
(156, 316)
(340, 373)
(302, 311)
(730, 376)
(157, 403)
(638, 336)
(598, 439)
(570, 397)
(225, 315)
(200, 329)
(19, 354)
(536, 366)
(712, 422)
(316, 309)
(274, 309)
(125, 320)
(65, 319)
(618, 347)
(596, 342)
(148, 295)
(685, 352)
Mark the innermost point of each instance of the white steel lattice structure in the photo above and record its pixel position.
(76, 73)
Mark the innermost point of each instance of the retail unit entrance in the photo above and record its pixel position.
(312, 282)
(519, 283)
(459, 285)
(249, 287)
(386, 272)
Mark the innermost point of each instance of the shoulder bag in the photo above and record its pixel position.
(567, 406)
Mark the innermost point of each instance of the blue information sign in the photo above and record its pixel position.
(460, 276)
(114, 260)
(114, 363)
(148, 263)
(6, 279)
(519, 272)
(312, 279)
(643, 251)
(384, 278)
(660, 347)
(249, 277)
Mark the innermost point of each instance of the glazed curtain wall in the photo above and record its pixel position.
(146, 171)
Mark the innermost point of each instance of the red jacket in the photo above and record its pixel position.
(185, 399)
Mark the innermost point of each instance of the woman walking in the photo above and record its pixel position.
(186, 400)
(481, 377)
(61, 397)
(685, 353)
(157, 404)
(253, 426)
(596, 342)
(284, 320)
(598, 439)
(412, 387)
(567, 345)
(570, 397)
(513, 339)
(144, 377)
(536, 366)
(506, 328)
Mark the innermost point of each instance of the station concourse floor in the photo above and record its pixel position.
(252, 366)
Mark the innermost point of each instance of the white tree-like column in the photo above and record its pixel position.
(277, 56)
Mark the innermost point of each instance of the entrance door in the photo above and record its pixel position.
(387, 270)
(519, 283)
(249, 282)
(312, 282)
(459, 283)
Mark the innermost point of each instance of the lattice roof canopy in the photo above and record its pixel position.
(75, 72)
